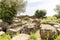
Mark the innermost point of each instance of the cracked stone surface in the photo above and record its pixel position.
(21, 37)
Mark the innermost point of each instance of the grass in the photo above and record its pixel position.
(33, 36)
(5, 37)
(58, 38)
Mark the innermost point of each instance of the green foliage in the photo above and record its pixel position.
(5, 37)
(7, 13)
(57, 15)
(26, 18)
(40, 13)
(33, 36)
(13, 35)
(50, 19)
(58, 38)
(9, 8)
(48, 37)
(57, 9)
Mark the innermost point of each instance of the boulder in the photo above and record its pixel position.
(47, 29)
(31, 26)
(28, 28)
(58, 31)
(56, 26)
(14, 30)
(21, 37)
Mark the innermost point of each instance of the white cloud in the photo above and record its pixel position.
(49, 5)
(31, 1)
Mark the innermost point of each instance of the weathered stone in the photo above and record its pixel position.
(47, 29)
(56, 26)
(24, 22)
(14, 30)
(1, 21)
(58, 30)
(52, 23)
(14, 25)
(17, 20)
(59, 24)
(21, 37)
(30, 27)
(1, 29)
(1, 32)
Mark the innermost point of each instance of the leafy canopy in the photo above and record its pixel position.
(40, 13)
(9, 9)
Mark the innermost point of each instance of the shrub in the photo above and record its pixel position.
(5, 37)
(40, 13)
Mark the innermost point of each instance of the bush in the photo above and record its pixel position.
(5, 37)
(40, 13)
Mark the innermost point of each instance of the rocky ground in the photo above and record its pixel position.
(25, 27)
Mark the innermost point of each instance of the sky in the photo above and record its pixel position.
(33, 5)
(48, 5)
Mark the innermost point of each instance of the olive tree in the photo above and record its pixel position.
(10, 8)
(40, 13)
